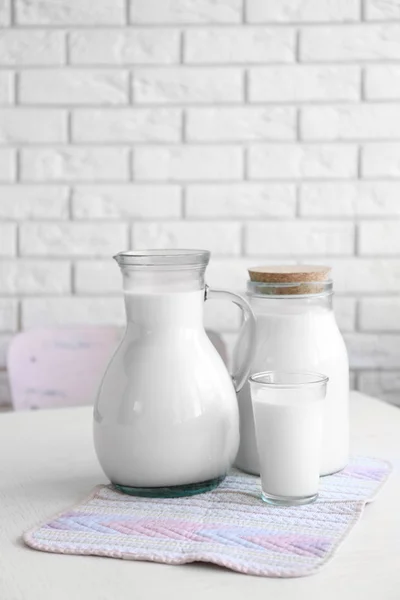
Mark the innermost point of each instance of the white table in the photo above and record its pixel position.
(48, 463)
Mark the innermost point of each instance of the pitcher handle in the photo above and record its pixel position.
(249, 326)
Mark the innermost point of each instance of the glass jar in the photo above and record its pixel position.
(297, 331)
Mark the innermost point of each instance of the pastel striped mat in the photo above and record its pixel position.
(229, 526)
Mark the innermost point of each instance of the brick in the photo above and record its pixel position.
(350, 199)
(241, 200)
(302, 83)
(24, 202)
(5, 391)
(219, 238)
(244, 123)
(74, 310)
(382, 82)
(350, 43)
(124, 46)
(379, 237)
(232, 274)
(73, 86)
(34, 277)
(72, 239)
(8, 314)
(6, 87)
(376, 10)
(345, 312)
(298, 11)
(32, 47)
(8, 239)
(70, 12)
(188, 163)
(187, 85)
(7, 165)
(5, 339)
(373, 351)
(127, 202)
(290, 239)
(74, 164)
(380, 160)
(97, 277)
(380, 314)
(381, 384)
(21, 125)
(5, 12)
(234, 45)
(127, 125)
(364, 121)
(289, 161)
(186, 11)
(363, 275)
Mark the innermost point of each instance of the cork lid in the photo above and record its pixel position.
(290, 279)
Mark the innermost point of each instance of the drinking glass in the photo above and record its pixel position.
(288, 416)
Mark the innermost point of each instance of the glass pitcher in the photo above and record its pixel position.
(166, 419)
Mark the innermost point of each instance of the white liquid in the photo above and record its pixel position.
(289, 436)
(166, 413)
(300, 339)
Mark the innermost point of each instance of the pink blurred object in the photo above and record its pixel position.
(53, 368)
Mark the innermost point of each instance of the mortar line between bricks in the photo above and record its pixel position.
(363, 12)
(19, 314)
(237, 25)
(70, 211)
(357, 239)
(197, 143)
(17, 241)
(224, 65)
(70, 136)
(126, 181)
(236, 105)
(243, 12)
(181, 49)
(221, 218)
(357, 320)
(17, 163)
(72, 277)
(67, 45)
(297, 46)
(12, 14)
(127, 12)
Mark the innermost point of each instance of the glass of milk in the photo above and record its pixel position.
(288, 416)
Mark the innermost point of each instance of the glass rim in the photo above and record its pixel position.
(309, 379)
(163, 257)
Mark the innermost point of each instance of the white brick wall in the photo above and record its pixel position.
(266, 131)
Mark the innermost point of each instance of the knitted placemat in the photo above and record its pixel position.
(229, 526)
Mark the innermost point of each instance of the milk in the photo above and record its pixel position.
(289, 436)
(167, 411)
(300, 335)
